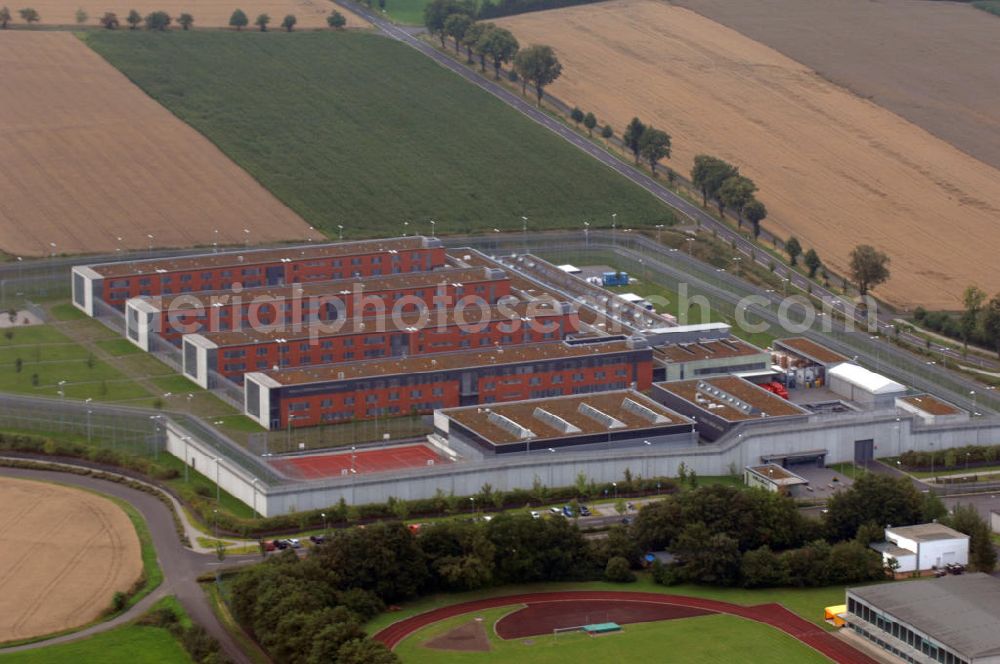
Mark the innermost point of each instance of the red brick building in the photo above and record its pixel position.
(390, 387)
(116, 283)
(299, 305)
(415, 333)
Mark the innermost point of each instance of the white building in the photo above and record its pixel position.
(923, 547)
(857, 384)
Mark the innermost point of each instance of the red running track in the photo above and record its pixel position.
(774, 615)
(315, 466)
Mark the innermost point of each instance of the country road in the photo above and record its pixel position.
(410, 37)
(181, 566)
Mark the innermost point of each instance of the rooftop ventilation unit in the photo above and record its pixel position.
(510, 426)
(554, 421)
(643, 412)
(601, 417)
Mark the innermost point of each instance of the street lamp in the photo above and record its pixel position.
(246, 234)
(218, 487)
(472, 501)
(972, 393)
(340, 231)
(614, 223)
(615, 485)
(406, 226)
(659, 227)
(323, 514)
(253, 485)
(586, 233)
(689, 240)
(433, 225)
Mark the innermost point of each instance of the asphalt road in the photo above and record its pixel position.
(181, 566)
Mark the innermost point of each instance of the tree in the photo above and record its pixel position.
(576, 115)
(262, 21)
(365, 651)
(500, 45)
(991, 322)
(735, 193)
(539, 66)
(455, 26)
(109, 21)
(632, 137)
(289, 22)
(869, 267)
(133, 19)
(437, 12)
(812, 262)
(607, 132)
(185, 20)
(708, 174)
(654, 145)
(878, 499)
(29, 15)
(973, 300)
(157, 21)
(617, 571)
(336, 20)
(480, 46)
(472, 36)
(238, 20)
(704, 557)
(590, 121)
(755, 212)
(793, 249)
(965, 519)
(4, 17)
(81, 16)
(762, 568)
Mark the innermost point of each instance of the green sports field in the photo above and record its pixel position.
(713, 638)
(357, 130)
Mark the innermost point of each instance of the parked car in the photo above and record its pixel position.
(294, 543)
(584, 510)
(567, 511)
(269, 545)
(535, 515)
(317, 539)
(626, 520)
(280, 544)
(556, 510)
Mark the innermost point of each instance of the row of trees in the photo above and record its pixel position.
(648, 142)
(537, 65)
(979, 322)
(28, 15)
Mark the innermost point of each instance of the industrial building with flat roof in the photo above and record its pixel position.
(952, 619)
(772, 477)
(930, 409)
(114, 283)
(720, 403)
(603, 420)
(710, 357)
(923, 547)
(400, 386)
(431, 330)
(290, 307)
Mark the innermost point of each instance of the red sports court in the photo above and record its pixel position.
(337, 464)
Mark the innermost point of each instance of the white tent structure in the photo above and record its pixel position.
(857, 384)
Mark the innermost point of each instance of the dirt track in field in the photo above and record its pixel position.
(206, 13)
(834, 169)
(63, 554)
(934, 63)
(88, 157)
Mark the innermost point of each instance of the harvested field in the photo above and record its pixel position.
(206, 13)
(910, 56)
(65, 553)
(89, 158)
(834, 170)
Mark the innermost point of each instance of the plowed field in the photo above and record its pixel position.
(206, 13)
(63, 554)
(834, 169)
(88, 158)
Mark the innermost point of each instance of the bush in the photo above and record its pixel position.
(118, 601)
(199, 644)
(163, 616)
(617, 571)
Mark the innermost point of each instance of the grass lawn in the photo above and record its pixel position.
(66, 311)
(407, 12)
(131, 644)
(351, 128)
(806, 602)
(118, 347)
(713, 638)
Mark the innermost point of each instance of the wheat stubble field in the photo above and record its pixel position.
(834, 169)
(63, 554)
(206, 13)
(88, 158)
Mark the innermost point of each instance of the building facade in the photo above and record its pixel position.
(411, 385)
(115, 283)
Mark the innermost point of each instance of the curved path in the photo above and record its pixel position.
(774, 615)
(181, 566)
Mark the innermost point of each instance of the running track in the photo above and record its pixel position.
(774, 615)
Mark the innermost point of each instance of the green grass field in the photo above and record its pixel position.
(131, 644)
(714, 638)
(407, 12)
(354, 129)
